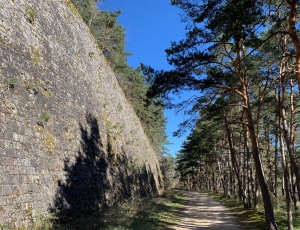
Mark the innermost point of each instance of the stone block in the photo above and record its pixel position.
(9, 153)
(6, 190)
(34, 163)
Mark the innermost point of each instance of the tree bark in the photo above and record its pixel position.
(277, 121)
(294, 182)
(269, 212)
(286, 186)
(287, 135)
(268, 152)
(234, 160)
(248, 171)
(292, 20)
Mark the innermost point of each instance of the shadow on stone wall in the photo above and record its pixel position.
(99, 177)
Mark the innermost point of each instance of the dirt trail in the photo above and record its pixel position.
(202, 212)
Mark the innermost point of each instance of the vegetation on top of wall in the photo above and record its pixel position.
(110, 36)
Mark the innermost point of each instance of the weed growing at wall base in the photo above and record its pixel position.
(46, 117)
(32, 88)
(91, 54)
(12, 82)
(47, 94)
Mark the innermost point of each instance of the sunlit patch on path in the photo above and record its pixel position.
(202, 212)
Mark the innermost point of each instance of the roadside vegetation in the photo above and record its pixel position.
(160, 212)
(255, 219)
(242, 60)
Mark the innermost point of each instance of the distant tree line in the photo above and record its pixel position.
(243, 57)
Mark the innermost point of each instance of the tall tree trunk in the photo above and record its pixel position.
(252, 183)
(277, 121)
(244, 172)
(234, 160)
(269, 212)
(225, 178)
(248, 170)
(286, 186)
(294, 183)
(268, 152)
(292, 20)
(230, 175)
(286, 134)
(294, 190)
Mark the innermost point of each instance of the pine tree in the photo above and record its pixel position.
(215, 54)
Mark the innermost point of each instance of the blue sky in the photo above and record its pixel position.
(151, 25)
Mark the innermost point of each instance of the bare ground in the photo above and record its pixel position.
(202, 212)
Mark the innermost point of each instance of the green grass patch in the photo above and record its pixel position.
(255, 219)
(46, 116)
(281, 218)
(160, 212)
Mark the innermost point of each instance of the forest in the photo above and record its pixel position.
(243, 57)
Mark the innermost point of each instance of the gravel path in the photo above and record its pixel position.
(202, 212)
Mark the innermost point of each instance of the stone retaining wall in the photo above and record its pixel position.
(68, 137)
